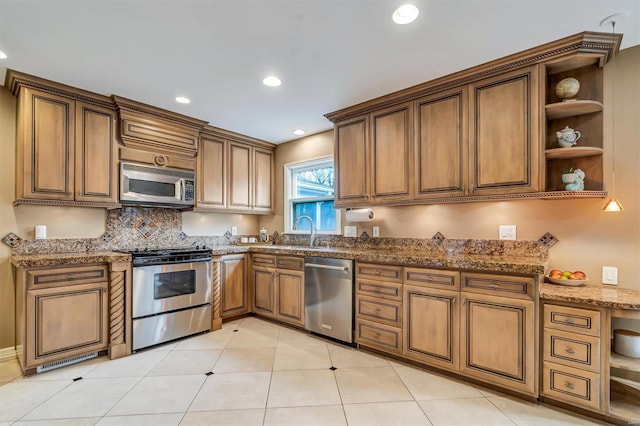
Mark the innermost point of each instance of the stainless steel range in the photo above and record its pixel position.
(171, 294)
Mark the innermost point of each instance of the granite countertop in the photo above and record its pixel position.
(38, 260)
(596, 295)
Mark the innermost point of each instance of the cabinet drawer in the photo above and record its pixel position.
(499, 285)
(434, 278)
(573, 350)
(379, 310)
(379, 289)
(72, 275)
(264, 260)
(379, 336)
(379, 272)
(575, 320)
(290, 262)
(577, 387)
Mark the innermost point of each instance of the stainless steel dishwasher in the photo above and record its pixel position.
(328, 297)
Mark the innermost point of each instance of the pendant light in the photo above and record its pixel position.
(613, 205)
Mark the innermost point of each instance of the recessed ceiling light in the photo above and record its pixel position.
(3, 55)
(182, 100)
(299, 132)
(405, 14)
(272, 81)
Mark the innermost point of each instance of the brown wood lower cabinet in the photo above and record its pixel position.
(61, 312)
(278, 292)
(498, 341)
(233, 291)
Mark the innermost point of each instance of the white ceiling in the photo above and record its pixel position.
(329, 53)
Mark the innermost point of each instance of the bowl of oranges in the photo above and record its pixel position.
(575, 278)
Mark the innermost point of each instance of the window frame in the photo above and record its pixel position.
(289, 170)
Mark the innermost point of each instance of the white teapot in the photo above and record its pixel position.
(567, 137)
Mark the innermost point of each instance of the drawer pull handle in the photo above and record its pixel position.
(570, 321)
(377, 272)
(494, 286)
(376, 335)
(453, 300)
(570, 351)
(377, 309)
(569, 386)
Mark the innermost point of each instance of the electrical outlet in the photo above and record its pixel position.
(376, 231)
(610, 275)
(507, 232)
(234, 230)
(350, 231)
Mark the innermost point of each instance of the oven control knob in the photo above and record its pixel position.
(197, 247)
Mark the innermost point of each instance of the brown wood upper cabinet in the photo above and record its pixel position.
(65, 150)
(234, 175)
(505, 149)
(373, 154)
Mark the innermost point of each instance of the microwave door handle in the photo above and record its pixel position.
(182, 189)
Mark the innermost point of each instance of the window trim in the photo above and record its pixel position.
(289, 169)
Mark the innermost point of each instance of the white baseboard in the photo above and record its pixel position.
(7, 354)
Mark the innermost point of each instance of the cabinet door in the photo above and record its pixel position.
(65, 321)
(212, 174)
(45, 146)
(233, 289)
(96, 178)
(431, 324)
(350, 157)
(504, 139)
(497, 341)
(239, 180)
(290, 296)
(264, 297)
(390, 153)
(263, 177)
(441, 144)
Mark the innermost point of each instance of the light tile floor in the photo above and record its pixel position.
(263, 374)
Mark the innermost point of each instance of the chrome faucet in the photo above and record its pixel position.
(312, 236)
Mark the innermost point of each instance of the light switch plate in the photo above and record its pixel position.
(350, 231)
(507, 232)
(610, 275)
(376, 231)
(234, 230)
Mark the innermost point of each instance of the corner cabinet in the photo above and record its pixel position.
(66, 148)
(234, 295)
(61, 312)
(235, 173)
(482, 134)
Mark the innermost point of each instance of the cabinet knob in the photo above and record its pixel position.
(453, 300)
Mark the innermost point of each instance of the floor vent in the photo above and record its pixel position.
(65, 362)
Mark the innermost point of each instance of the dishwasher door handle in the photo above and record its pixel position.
(333, 268)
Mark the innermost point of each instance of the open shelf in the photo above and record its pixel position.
(574, 62)
(571, 108)
(625, 402)
(573, 152)
(624, 362)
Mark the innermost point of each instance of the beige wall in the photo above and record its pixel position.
(589, 238)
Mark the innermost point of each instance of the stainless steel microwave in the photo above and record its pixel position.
(156, 186)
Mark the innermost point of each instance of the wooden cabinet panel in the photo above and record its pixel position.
(234, 298)
(379, 289)
(576, 320)
(390, 152)
(264, 297)
(212, 174)
(45, 145)
(240, 177)
(434, 278)
(379, 336)
(441, 144)
(290, 262)
(350, 158)
(431, 326)
(263, 177)
(388, 273)
(379, 310)
(65, 275)
(62, 322)
(499, 285)
(96, 177)
(290, 290)
(264, 260)
(571, 385)
(498, 341)
(573, 350)
(504, 136)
